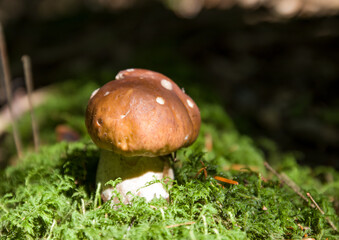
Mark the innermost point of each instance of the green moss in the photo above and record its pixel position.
(52, 194)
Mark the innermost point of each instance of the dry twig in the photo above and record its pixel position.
(285, 179)
(7, 78)
(322, 212)
(202, 169)
(29, 85)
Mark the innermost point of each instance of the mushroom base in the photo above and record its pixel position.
(135, 173)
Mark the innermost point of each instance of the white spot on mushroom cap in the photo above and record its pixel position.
(124, 115)
(94, 92)
(119, 76)
(106, 93)
(130, 70)
(166, 84)
(99, 121)
(183, 90)
(186, 137)
(160, 100)
(190, 103)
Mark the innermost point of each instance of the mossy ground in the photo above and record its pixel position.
(52, 194)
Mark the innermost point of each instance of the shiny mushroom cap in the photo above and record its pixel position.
(142, 113)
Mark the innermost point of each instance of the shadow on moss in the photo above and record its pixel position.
(80, 163)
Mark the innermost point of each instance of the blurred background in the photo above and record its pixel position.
(272, 64)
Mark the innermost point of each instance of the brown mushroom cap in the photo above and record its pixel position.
(142, 113)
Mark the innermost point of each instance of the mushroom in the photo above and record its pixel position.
(138, 120)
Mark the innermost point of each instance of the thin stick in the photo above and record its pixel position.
(2, 87)
(29, 85)
(322, 212)
(309, 195)
(296, 188)
(287, 181)
(7, 78)
(180, 224)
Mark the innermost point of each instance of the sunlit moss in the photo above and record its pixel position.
(52, 194)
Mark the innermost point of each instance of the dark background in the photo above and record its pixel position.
(275, 70)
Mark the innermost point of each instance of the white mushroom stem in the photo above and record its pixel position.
(136, 173)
